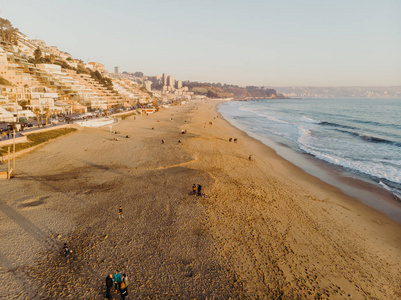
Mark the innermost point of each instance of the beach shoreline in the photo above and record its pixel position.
(264, 228)
(353, 185)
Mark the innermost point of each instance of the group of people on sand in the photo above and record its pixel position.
(117, 132)
(120, 283)
(197, 190)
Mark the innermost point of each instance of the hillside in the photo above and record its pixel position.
(218, 90)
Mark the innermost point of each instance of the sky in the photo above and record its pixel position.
(245, 42)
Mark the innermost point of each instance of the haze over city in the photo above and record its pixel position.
(270, 43)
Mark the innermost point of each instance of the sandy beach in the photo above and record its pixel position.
(265, 229)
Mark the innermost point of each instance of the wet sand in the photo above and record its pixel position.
(265, 230)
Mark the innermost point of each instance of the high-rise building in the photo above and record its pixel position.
(170, 81)
(164, 79)
(116, 70)
(148, 85)
(179, 84)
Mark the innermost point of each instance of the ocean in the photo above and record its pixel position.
(361, 138)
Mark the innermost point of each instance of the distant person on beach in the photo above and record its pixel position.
(199, 190)
(120, 213)
(194, 189)
(117, 279)
(66, 250)
(250, 157)
(163, 141)
(109, 285)
(123, 288)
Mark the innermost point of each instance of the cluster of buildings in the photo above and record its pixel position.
(167, 88)
(163, 87)
(56, 86)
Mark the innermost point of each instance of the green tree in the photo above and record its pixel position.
(23, 103)
(37, 54)
(82, 70)
(52, 58)
(47, 113)
(4, 81)
(36, 111)
(7, 32)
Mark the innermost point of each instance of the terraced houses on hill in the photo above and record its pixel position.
(56, 83)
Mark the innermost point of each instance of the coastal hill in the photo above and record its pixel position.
(42, 78)
(341, 92)
(218, 90)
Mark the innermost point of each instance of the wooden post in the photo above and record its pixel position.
(14, 150)
(8, 169)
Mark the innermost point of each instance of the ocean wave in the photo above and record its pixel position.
(376, 170)
(397, 126)
(372, 139)
(396, 192)
(324, 123)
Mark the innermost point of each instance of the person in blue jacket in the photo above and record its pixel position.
(117, 279)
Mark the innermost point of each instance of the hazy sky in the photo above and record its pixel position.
(252, 42)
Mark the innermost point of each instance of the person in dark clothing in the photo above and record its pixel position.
(123, 288)
(120, 213)
(109, 285)
(194, 189)
(199, 190)
(66, 250)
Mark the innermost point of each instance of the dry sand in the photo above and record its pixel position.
(267, 230)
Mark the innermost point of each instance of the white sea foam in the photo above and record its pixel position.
(310, 120)
(306, 123)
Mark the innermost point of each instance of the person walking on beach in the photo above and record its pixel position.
(109, 285)
(66, 250)
(117, 279)
(199, 189)
(194, 189)
(120, 213)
